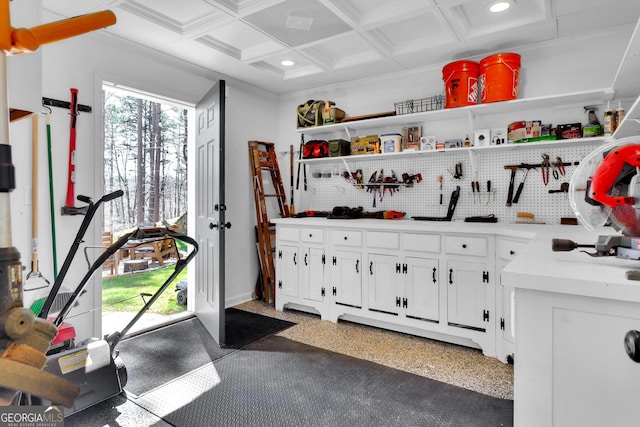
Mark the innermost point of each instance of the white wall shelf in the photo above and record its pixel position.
(581, 98)
(503, 147)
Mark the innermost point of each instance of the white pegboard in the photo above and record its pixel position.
(327, 188)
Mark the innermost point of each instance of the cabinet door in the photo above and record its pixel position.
(466, 295)
(383, 276)
(287, 270)
(507, 318)
(422, 289)
(347, 278)
(506, 250)
(313, 274)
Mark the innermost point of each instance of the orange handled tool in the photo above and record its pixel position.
(69, 208)
(29, 39)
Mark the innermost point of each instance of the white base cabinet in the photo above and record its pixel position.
(439, 285)
(346, 278)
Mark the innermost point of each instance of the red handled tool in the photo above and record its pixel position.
(545, 168)
(69, 208)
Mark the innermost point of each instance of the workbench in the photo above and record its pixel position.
(438, 280)
(572, 312)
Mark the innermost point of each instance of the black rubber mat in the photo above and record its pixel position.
(243, 327)
(157, 357)
(279, 382)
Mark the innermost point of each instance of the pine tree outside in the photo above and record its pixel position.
(145, 156)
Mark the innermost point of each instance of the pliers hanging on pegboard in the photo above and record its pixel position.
(390, 183)
(560, 166)
(545, 168)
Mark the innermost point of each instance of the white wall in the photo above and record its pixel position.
(84, 62)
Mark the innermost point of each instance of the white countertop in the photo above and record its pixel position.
(573, 273)
(526, 231)
(537, 267)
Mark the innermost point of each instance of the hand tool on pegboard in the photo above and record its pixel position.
(474, 189)
(490, 190)
(521, 185)
(69, 208)
(513, 170)
(372, 187)
(558, 168)
(545, 168)
(292, 209)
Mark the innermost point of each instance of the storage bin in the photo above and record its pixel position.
(499, 77)
(460, 83)
(391, 142)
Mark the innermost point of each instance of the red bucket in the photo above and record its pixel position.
(499, 75)
(460, 83)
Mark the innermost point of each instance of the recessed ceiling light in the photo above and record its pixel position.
(499, 6)
(287, 63)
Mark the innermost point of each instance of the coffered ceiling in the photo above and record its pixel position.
(332, 41)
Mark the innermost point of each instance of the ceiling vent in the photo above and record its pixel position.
(299, 23)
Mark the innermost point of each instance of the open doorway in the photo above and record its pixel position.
(146, 146)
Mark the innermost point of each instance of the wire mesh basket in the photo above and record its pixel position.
(420, 105)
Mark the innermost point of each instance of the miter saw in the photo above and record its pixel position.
(611, 196)
(605, 190)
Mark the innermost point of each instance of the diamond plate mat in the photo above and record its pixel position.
(279, 382)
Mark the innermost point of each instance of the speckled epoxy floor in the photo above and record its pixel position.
(449, 363)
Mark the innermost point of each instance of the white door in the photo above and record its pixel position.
(210, 210)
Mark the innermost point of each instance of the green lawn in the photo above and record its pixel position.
(122, 293)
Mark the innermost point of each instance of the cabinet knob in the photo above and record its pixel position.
(310, 235)
(464, 246)
(512, 252)
(632, 345)
(345, 237)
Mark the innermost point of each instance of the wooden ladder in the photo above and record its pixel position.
(262, 156)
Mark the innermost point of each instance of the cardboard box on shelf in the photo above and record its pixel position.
(411, 138)
(369, 144)
(569, 131)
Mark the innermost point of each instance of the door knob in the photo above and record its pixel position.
(212, 225)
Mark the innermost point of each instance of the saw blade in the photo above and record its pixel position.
(627, 218)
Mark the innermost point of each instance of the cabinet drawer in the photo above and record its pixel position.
(382, 239)
(463, 245)
(421, 242)
(312, 235)
(508, 249)
(289, 234)
(346, 238)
